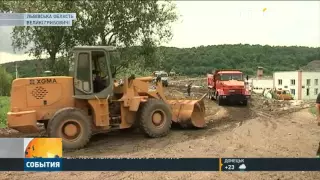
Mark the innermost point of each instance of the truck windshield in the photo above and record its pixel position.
(227, 77)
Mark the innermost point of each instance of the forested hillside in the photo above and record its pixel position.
(196, 61)
(200, 60)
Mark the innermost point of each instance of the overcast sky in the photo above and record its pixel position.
(286, 23)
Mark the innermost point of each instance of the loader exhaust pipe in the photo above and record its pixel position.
(188, 113)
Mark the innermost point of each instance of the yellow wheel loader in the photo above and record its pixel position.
(90, 101)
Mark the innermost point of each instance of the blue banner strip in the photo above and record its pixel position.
(42, 164)
(270, 164)
(153, 164)
(160, 164)
(11, 164)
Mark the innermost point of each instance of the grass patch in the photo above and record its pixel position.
(313, 111)
(4, 108)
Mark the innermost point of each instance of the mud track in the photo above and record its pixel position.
(218, 119)
(232, 131)
(130, 141)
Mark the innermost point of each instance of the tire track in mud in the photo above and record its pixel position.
(119, 142)
(11, 133)
(234, 117)
(270, 118)
(126, 142)
(267, 119)
(133, 141)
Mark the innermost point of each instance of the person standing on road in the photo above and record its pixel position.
(318, 118)
(189, 89)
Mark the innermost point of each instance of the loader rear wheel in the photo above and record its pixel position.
(155, 118)
(73, 126)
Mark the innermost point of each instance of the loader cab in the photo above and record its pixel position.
(91, 71)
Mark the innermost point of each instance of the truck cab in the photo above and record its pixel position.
(227, 86)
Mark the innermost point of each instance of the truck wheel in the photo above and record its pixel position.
(73, 126)
(155, 118)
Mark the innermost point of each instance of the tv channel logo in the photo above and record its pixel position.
(43, 147)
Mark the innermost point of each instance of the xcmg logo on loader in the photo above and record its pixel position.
(42, 81)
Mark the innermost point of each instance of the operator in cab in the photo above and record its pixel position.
(318, 119)
(98, 82)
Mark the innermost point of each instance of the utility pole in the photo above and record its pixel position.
(16, 70)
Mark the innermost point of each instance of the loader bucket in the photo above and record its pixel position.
(188, 112)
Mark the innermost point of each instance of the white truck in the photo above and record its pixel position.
(164, 77)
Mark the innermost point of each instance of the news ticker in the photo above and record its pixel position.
(45, 154)
(160, 164)
(37, 19)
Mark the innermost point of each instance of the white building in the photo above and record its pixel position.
(302, 85)
(259, 83)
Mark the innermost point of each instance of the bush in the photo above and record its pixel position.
(4, 108)
(313, 111)
(135, 69)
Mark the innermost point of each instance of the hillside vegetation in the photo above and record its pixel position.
(200, 60)
(4, 108)
(187, 61)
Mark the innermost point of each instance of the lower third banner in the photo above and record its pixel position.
(160, 164)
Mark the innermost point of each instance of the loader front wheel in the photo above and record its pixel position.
(73, 126)
(155, 118)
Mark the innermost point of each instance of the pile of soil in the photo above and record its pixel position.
(312, 66)
(277, 107)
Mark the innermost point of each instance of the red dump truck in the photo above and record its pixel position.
(227, 86)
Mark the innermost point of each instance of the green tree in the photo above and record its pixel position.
(122, 23)
(201, 60)
(39, 41)
(5, 82)
(126, 23)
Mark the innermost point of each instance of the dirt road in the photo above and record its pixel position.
(231, 132)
